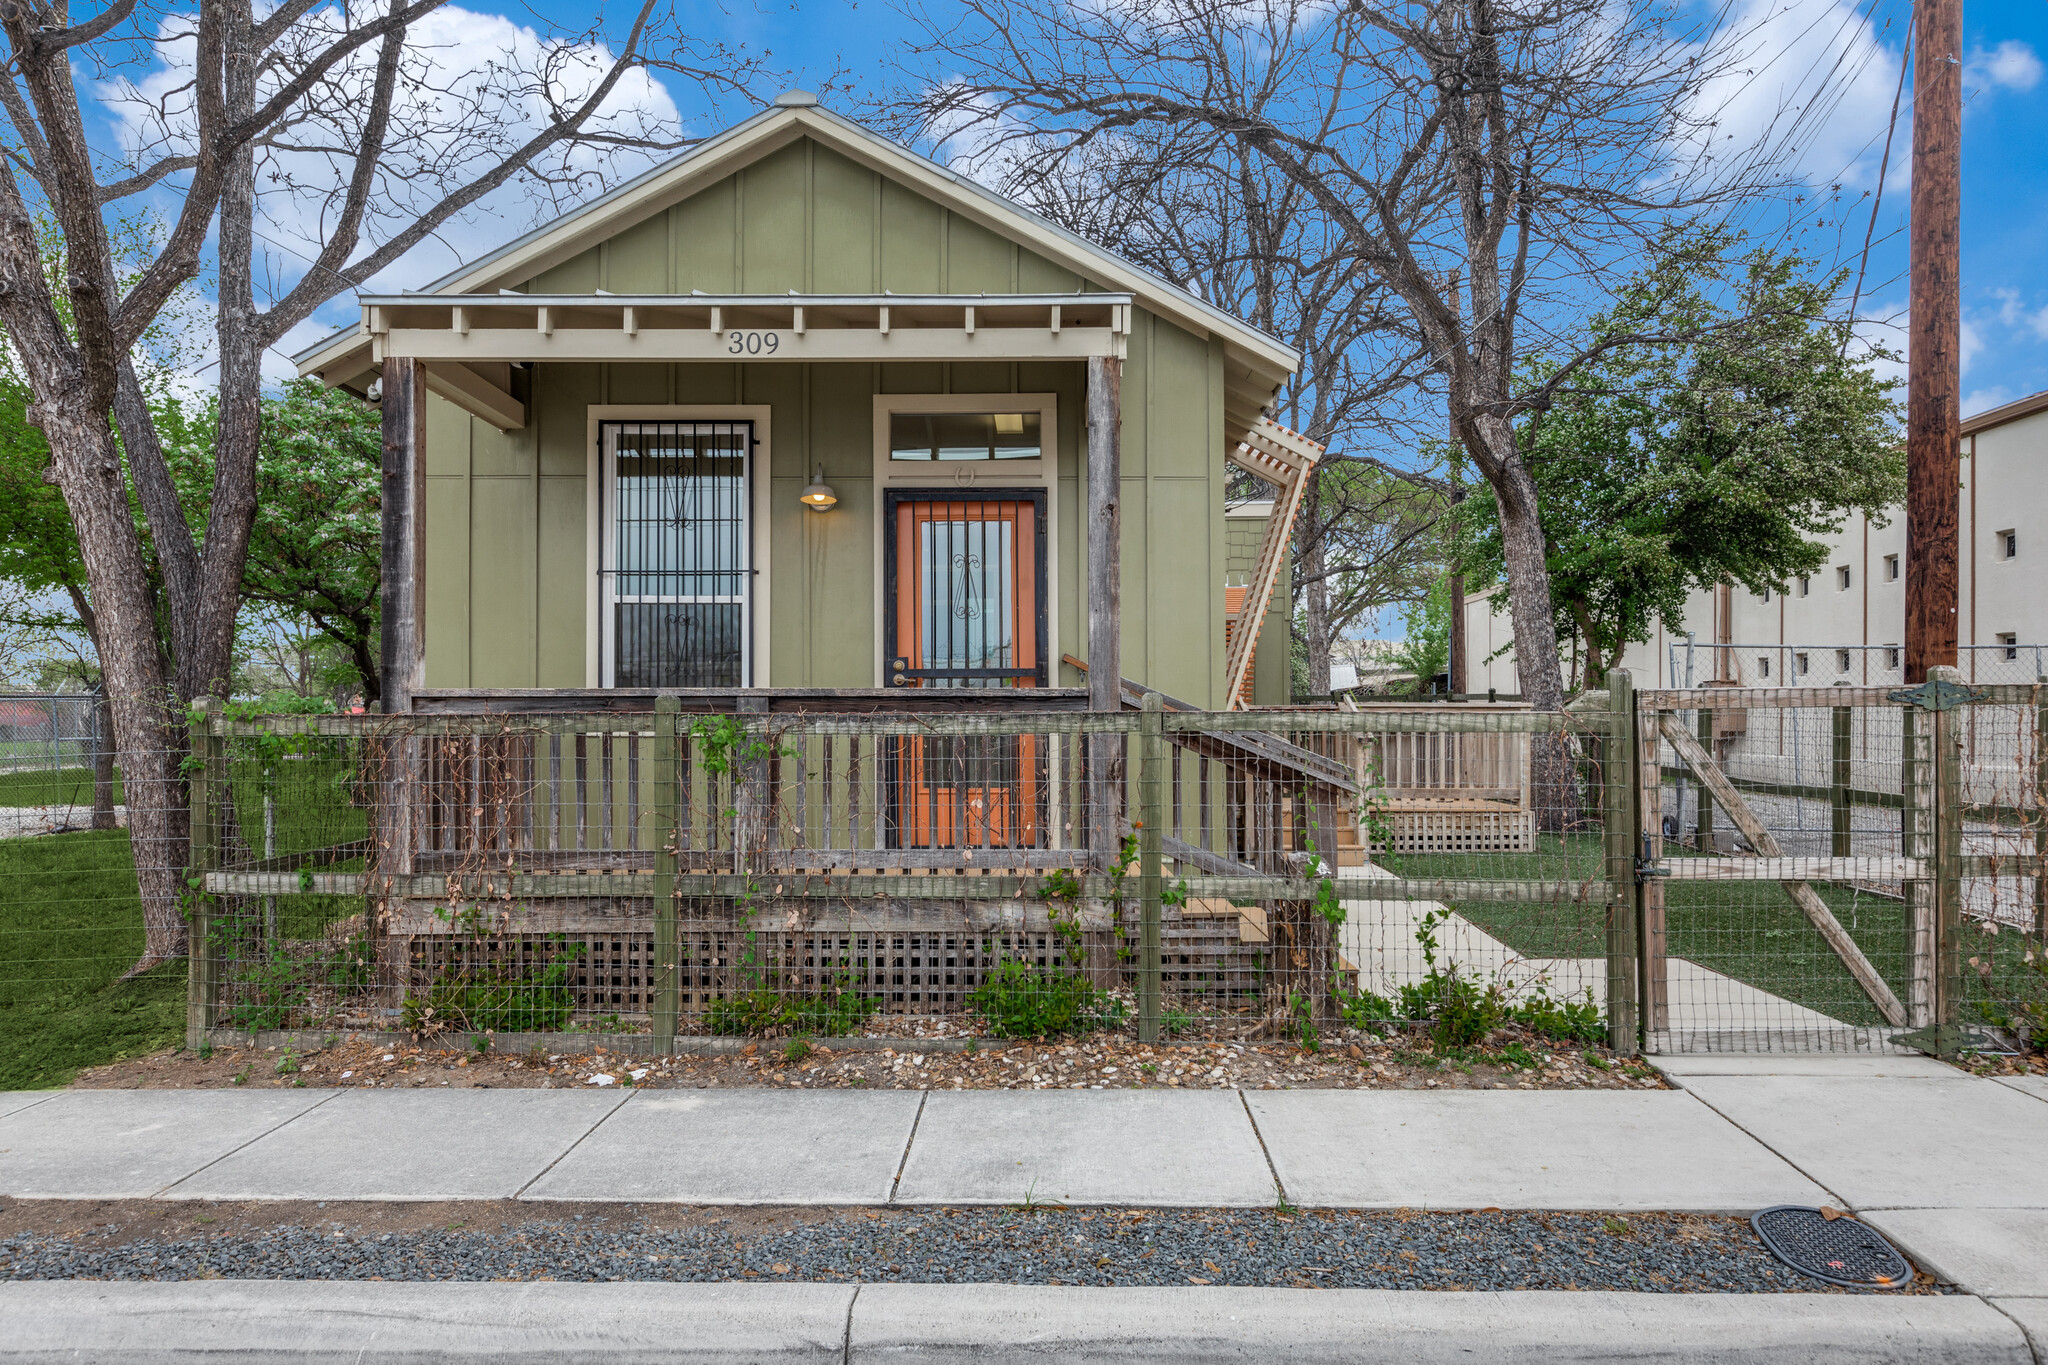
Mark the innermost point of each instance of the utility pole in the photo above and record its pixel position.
(1934, 344)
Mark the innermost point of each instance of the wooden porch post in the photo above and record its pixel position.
(403, 669)
(1105, 613)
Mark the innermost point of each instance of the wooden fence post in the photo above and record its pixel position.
(667, 982)
(1839, 779)
(1916, 840)
(1653, 994)
(1703, 827)
(1618, 811)
(2040, 804)
(201, 958)
(1151, 848)
(1948, 849)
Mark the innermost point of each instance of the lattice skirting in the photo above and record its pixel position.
(1422, 830)
(926, 972)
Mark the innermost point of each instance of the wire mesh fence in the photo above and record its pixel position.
(1695, 868)
(1170, 873)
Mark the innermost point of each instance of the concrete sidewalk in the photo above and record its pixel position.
(1945, 1163)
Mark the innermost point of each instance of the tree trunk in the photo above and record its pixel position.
(87, 467)
(1315, 596)
(1552, 782)
(102, 763)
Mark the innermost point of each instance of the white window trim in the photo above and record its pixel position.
(966, 475)
(759, 668)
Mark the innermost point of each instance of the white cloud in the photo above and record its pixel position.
(2012, 65)
(1973, 342)
(1983, 400)
(1882, 326)
(1809, 81)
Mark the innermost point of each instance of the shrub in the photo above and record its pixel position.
(1367, 1011)
(353, 968)
(833, 1014)
(271, 990)
(1568, 1021)
(495, 999)
(1021, 1000)
(1465, 1012)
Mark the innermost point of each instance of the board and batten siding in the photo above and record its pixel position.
(507, 563)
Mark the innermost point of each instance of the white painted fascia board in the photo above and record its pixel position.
(717, 156)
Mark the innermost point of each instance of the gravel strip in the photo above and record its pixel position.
(1513, 1060)
(1651, 1253)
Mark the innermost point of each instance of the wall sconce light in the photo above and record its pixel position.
(819, 497)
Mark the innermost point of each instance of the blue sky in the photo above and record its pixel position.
(2005, 190)
(1797, 47)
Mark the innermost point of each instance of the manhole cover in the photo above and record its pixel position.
(1839, 1250)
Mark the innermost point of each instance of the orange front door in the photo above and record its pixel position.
(966, 594)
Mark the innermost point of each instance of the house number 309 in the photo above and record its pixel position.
(752, 343)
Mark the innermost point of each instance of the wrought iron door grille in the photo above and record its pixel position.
(676, 571)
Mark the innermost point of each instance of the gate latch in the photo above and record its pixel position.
(1646, 866)
(1936, 694)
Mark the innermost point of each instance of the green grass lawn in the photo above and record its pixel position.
(1748, 930)
(71, 919)
(70, 924)
(51, 787)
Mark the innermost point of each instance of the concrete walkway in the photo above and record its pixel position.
(1947, 1164)
(1379, 936)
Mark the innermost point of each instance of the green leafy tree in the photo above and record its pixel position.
(1425, 651)
(315, 542)
(1724, 454)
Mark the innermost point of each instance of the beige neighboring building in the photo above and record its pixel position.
(1845, 623)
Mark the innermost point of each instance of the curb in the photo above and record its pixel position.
(630, 1323)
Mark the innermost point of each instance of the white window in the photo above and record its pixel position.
(1841, 578)
(676, 556)
(1805, 585)
(1800, 664)
(1891, 568)
(1767, 594)
(2008, 544)
(1891, 657)
(2010, 643)
(1763, 666)
(1841, 661)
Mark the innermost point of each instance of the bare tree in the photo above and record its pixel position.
(1487, 162)
(352, 118)
(1225, 224)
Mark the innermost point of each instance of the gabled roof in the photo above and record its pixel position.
(1255, 363)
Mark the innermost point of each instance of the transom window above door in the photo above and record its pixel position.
(949, 437)
(676, 570)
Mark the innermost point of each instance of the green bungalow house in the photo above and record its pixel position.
(801, 410)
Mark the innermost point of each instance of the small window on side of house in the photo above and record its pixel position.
(1891, 657)
(1801, 664)
(1841, 661)
(2009, 642)
(1805, 585)
(1841, 578)
(1891, 568)
(2008, 544)
(1763, 666)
